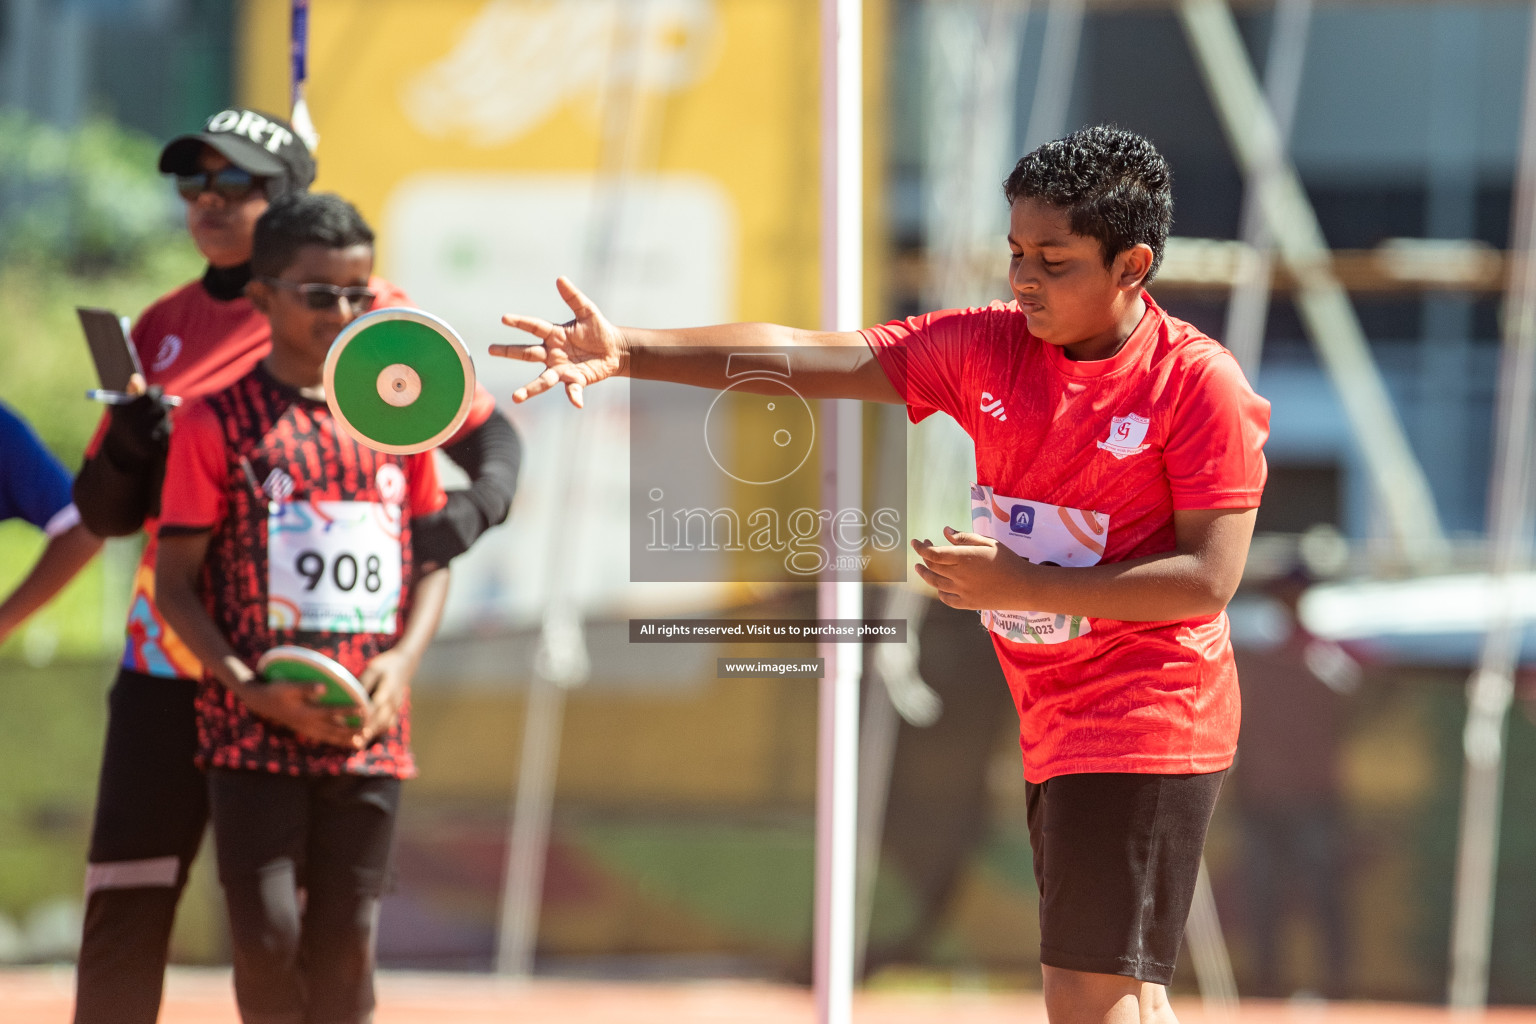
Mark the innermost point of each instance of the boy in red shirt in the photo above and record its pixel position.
(1119, 466)
(259, 480)
(152, 802)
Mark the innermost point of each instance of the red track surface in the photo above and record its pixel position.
(42, 996)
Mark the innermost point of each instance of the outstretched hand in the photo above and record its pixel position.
(579, 352)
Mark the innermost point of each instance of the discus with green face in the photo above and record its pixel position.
(290, 664)
(399, 380)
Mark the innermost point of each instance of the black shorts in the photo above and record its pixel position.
(151, 801)
(1116, 857)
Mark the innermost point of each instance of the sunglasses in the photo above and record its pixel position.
(229, 183)
(327, 296)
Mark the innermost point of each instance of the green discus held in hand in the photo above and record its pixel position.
(289, 664)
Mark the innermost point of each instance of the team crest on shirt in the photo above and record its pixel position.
(390, 480)
(1127, 436)
(165, 355)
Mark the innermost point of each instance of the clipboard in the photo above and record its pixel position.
(111, 349)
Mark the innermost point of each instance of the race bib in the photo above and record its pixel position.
(1046, 535)
(333, 566)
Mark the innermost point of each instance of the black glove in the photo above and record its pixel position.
(439, 538)
(119, 487)
(491, 454)
(139, 432)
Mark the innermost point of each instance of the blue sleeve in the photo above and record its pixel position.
(33, 484)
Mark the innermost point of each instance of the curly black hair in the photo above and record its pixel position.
(304, 218)
(1115, 186)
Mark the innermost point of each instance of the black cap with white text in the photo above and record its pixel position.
(258, 143)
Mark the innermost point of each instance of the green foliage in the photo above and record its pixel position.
(97, 230)
(45, 370)
(89, 199)
(86, 219)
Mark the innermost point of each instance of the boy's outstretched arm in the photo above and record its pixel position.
(388, 676)
(588, 348)
(178, 565)
(1196, 579)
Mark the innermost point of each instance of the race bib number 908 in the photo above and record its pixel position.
(333, 566)
(1046, 535)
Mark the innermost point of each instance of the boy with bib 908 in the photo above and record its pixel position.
(278, 528)
(1119, 465)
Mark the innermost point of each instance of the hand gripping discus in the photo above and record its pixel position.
(289, 664)
(399, 380)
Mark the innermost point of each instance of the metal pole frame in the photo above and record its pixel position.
(1248, 307)
(1325, 307)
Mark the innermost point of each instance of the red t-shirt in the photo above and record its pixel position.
(193, 345)
(1168, 423)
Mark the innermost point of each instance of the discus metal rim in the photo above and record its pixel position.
(327, 666)
(412, 315)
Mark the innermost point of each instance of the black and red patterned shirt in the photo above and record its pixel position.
(259, 457)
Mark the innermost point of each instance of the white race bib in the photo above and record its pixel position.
(1046, 535)
(333, 566)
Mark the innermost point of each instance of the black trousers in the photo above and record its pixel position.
(151, 807)
(303, 861)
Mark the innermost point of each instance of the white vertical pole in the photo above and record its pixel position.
(839, 595)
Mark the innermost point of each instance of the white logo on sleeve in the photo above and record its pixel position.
(1127, 436)
(390, 480)
(165, 355)
(993, 407)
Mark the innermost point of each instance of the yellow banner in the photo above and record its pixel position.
(440, 119)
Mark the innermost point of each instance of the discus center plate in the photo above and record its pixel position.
(399, 385)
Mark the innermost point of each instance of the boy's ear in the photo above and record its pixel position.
(1133, 265)
(260, 294)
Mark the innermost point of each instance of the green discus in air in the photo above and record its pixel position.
(399, 380)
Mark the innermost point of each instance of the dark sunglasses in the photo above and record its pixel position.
(229, 183)
(327, 296)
